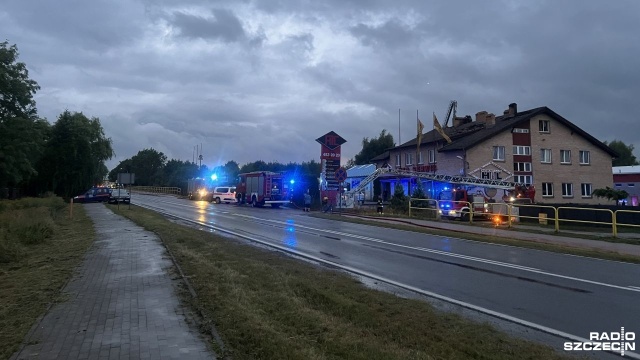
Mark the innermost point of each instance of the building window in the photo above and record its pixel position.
(547, 189)
(585, 157)
(618, 185)
(520, 131)
(565, 156)
(420, 160)
(521, 150)
(631, 185)
(498, 153)
(522, 166)
(567, 190)
(543, 126)
(409, 158)
(523, 179)
(586, 190)
(398, 160)
(545, 156)
(432, 156)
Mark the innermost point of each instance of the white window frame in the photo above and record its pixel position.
(522, 166)
(524, 179)
(520, 131)
(567, 190)
(409, 158)
(585, 157)
(587, 190)
(562, 157)
(432, 156)
(544, 152)
(498, 158)
(547, 189)
(398, 160)
(544, 126)
(521, 150)
(420, 158)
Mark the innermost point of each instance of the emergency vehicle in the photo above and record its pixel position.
(198, 189)
(262, 187)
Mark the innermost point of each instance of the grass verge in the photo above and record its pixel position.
(485, 238)
(267, 305)
(39, 248)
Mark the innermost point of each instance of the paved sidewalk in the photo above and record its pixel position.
(621, 248)
(122, 302)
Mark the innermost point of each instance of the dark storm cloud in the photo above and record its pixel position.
(391, 34)
(171, 75)
(224, 25)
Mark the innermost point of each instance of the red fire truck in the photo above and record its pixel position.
(262, 187)
(454, 203)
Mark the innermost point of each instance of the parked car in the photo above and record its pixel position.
(95, 194)
(120, 195)
(225, 194)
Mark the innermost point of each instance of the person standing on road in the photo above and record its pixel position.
(380, 205)
(307, 201)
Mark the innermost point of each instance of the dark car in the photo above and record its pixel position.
(95, 194)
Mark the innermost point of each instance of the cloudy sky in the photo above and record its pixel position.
(260, 80)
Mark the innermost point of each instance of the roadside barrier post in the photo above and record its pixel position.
(614, 224)
(556, 219)
(409, 207)
(509, 212)
(470, 212)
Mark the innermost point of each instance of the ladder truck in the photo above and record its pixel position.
(460, 191)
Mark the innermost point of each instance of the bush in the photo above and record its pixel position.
(399, 202)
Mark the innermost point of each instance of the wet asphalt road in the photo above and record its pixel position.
(571, 294)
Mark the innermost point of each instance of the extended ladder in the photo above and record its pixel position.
(453, 179)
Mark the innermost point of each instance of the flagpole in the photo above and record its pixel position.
(399, 141)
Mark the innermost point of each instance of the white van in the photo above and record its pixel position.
(225, 194)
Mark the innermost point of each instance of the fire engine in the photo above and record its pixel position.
(461, 190)
(262, 187)
(457, 202)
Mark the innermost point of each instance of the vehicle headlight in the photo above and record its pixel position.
(453, 212)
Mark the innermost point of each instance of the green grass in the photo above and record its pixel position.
(39, 248)
(266, 305)
(371, 220)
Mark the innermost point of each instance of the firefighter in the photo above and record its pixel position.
(307, 201)
(380, 205)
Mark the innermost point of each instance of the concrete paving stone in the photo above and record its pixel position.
(122, 302)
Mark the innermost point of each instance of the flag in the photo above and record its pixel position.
(438, 128)
(420, 128)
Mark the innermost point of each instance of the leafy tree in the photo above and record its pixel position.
(148, 165)
(373, 147)
(611, 194)
(625, 152)
(22, 134)
(16, 89)
(74, 155)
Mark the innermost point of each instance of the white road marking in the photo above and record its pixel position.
(399, 284)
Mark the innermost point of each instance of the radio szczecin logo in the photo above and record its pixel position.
(607, 341)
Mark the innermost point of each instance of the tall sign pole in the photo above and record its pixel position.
(330, 161)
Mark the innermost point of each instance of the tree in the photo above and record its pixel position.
(625, 153)
(611, 194)
(16, 89)
(399, 202)
(148, 165)
(22, 134)
(373, 147)
(74, 155)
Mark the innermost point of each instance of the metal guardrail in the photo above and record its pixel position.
(156, 189)
(546, 213)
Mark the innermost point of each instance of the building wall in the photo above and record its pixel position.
(560, 137)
